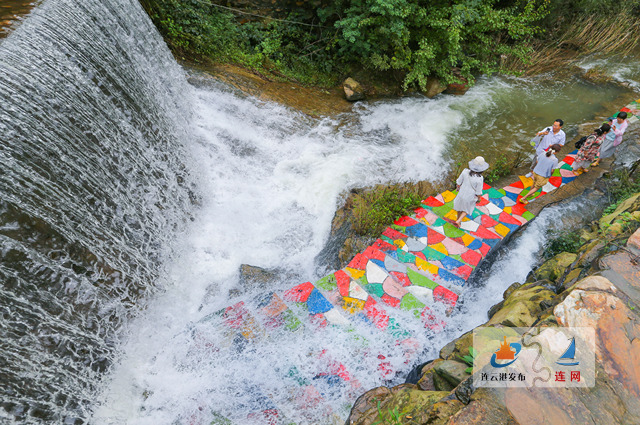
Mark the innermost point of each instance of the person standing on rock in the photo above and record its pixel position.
(547, 162)
(553, 135)
(589, 150)
(613, 138)
(469, 186)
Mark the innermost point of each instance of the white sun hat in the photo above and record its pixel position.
(478, 164)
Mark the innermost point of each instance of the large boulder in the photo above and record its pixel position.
(631, 204)
(452, 371)
(596, 303)
(523, 306)
(352, 90)
(555, 268)
(402, 404)
(434, 87)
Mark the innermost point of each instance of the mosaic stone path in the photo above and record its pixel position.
(415, 271)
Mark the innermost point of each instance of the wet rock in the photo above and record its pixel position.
(631, 204)
(572, 277)
(510, 290)
(452, 371)
(382, 405)
(616, 229)
(252, 277)
(425, 383)
(352, 90)
(459, 88)
(606, 403)
(523, 307)
(465, 389)
(595, 303)
(555, 268)
(623, 270)
(440, 412)
(589, 252)
(410, 405)
(434, 87)
(457, 347)
(485, 407)
(364, 410)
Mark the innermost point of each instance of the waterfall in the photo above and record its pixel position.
(93, 188)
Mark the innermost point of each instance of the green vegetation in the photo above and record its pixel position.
(620, 186)
(469, 359)
(374, 210)
(406, 41)
(567, 241)
(504, 166)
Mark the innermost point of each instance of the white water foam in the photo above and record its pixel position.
(271, 180)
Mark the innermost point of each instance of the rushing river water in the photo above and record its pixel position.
(129, 199)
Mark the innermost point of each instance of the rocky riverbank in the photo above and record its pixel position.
(597, 286)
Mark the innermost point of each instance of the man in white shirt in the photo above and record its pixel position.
(552, 136)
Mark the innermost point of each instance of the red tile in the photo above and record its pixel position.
(299, 293)
(401, 277)
(405, 221)
(342, 279)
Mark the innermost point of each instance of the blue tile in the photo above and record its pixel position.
(317, 303)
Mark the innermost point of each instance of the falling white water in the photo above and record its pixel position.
(271, 180)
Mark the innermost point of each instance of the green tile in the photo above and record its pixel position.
(291, 322)
(420, 280)
(443, 210)
(406, 257)
(440, 221)
(452, 231)
(328, 283)
(528, 215)
(396, 330)
(386, 239)
(374, 289)
(362, 281)
(410, 302)
(494, 193)
(432, 254)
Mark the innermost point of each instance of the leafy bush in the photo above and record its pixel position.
(374, 210)
(422, 39)
(568, 241)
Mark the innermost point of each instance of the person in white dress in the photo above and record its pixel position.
(469, 186)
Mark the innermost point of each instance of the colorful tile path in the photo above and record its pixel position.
(415, 271)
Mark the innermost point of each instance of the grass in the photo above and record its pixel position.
(374, 210)
(583, 36)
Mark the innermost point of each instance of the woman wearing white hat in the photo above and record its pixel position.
(469, 185)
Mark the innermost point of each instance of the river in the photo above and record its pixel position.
(129, 199)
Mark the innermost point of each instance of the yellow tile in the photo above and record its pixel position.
(440, 248)
(507, 210)
(451, 215)
(424, 220)
(353, 305)
(399, 243)
(467, 239)
(501, 229)
(526, 181)
(354, 273)
(448, 196)
(426, 266)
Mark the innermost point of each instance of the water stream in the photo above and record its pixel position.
(129, 199)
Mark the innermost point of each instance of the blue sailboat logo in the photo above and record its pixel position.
(569, 356)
